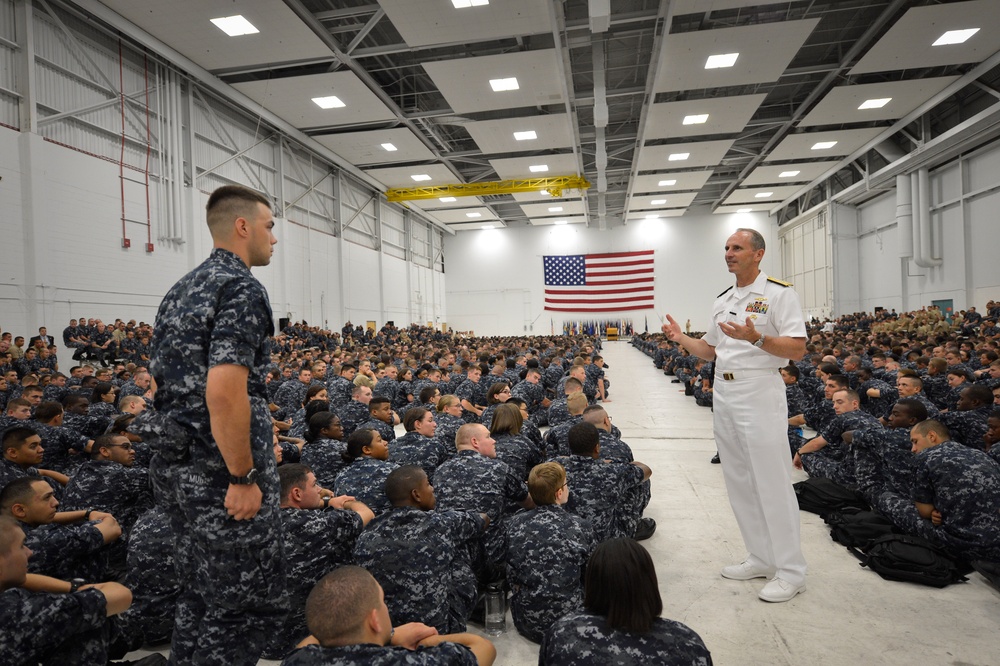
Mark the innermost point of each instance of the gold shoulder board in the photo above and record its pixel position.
(781, 282)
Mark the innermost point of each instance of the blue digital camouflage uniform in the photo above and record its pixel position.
(67, 551)
(340, 391)
(558, 412)
(883, 461)
(546, 556)
(130, 388)
(103, 409)
(613, 448)
(447, 428)
(368, 654)
(469, 390)
(364, 479)
(519, 453)
(583, 639)
(231, 572)
(387, 388)
(557, 438)
(325, 458)
(607, 494)
(108, 486)
(533, 395)
(151, 578)
(290, 397)
(352, 414)
(833, 461)
(64, 629)
(10, 471)
(420, 558)
(85, 424)
(487, 416)
(387, 431)
(881, 406)
(316, 543)
(967, 427)
(64, 448)
(415, 449)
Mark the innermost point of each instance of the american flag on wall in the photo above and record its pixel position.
(611, 282)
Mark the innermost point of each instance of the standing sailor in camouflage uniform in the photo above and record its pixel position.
(214, 470)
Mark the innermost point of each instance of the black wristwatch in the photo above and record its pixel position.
(76, 583)
(248, 480)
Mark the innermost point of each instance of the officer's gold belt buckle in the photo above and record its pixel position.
(728, 376)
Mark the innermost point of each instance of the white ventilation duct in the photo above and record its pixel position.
(923, 245)
(904, 215)
(600, 15)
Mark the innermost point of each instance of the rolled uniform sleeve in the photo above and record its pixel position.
(236, 335)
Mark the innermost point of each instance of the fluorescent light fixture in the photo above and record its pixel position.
(744, 210)
(653, 216)
(955, 37)
(696, 119)
(657, 202)
(559, 222)
(331, 102)
(824, 145)
(538, 168)
(488, 226)
(447, 199)
(544, 193)
(525, 136)
(763, 195)
(666, 183)
(721, 60)
(874, 103)
(500, 85)
(473, 214)
(462, 4)
(678, 157)
(388, 146)
(556, 209)
(788, 174)
(420, 176)
(234, 26)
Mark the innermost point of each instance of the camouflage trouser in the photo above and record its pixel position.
(821, 465)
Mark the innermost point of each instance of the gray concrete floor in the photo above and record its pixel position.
(848, 615)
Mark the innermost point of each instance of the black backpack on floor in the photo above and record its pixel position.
(913, 560)
(822, 496)
(856, 528)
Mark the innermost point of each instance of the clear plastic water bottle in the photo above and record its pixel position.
(496, 610)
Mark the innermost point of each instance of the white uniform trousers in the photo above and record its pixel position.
(751, 431)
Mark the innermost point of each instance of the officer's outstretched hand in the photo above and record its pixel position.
(672, 329)
(409, 635)
(739, 332)
(243, 502)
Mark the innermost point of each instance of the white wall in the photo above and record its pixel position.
(495, 284)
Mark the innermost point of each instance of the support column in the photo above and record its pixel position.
(24, 22)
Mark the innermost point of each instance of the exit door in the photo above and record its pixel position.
(947, 307)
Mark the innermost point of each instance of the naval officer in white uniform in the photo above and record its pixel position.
(757, 328)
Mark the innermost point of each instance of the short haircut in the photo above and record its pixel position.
(465, 434)
(756, 240)
(402, 481)
(594, 414)
(576, 403)
(231, 202)
(913, 408)
(19, 491)
(292, 475)
(9, 529)
(413, 415)
(792, 371)
(376, 401)
(34, 388)
(15, 436)
(573, 383)
(938, 363)
(620, 585)
(852, 395)
(583, 439)
(128, 401)
(48, 410)
(507, 420)
(840, 380)
(930, 425)
(913, 379)
(17, 402)
(979, 393)
(427, 393)
(544, 481)
(339, 603)
(105, 441)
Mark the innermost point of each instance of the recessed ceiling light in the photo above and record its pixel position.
(763, 195)
(657, 202)
(462, 4)
(500, 85)
(721, 60)
(824, 145)
(473, 214)
(555, 209)
(544, 193)
(666, 183)
(955, 37)
(525, 136)
(234, 26)
(744, 210)
(696, 119)
(488, 226)
(654, 216)
(874, 103)
(788, 174)
(388, 146)
(559, 222)
(677, 157)
(448, 199)
(420, 176)
(538, 168)
(331, 102)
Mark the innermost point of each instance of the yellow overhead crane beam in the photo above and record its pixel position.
(554, 186)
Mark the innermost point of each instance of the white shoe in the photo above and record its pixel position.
(745, 571)
(778, 590)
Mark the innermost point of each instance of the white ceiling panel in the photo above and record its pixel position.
(765, 51)
(519, 167)
(402, 176)
(840, 106)
(749, 208)
(726, 115)
(534, 197)
(465, 82)
(186, 26)
(794, 173)
(462, 215)
(367, 147)
(438, 21)
(497, 136)
(682, 200)
(475, 226)
(683, 180)
(908, 44)
(550, 221)
(543, 209)
(700, 153)
(800, 146)
(434, 204)
(291, 98)
(752, 195)
(655, 214)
